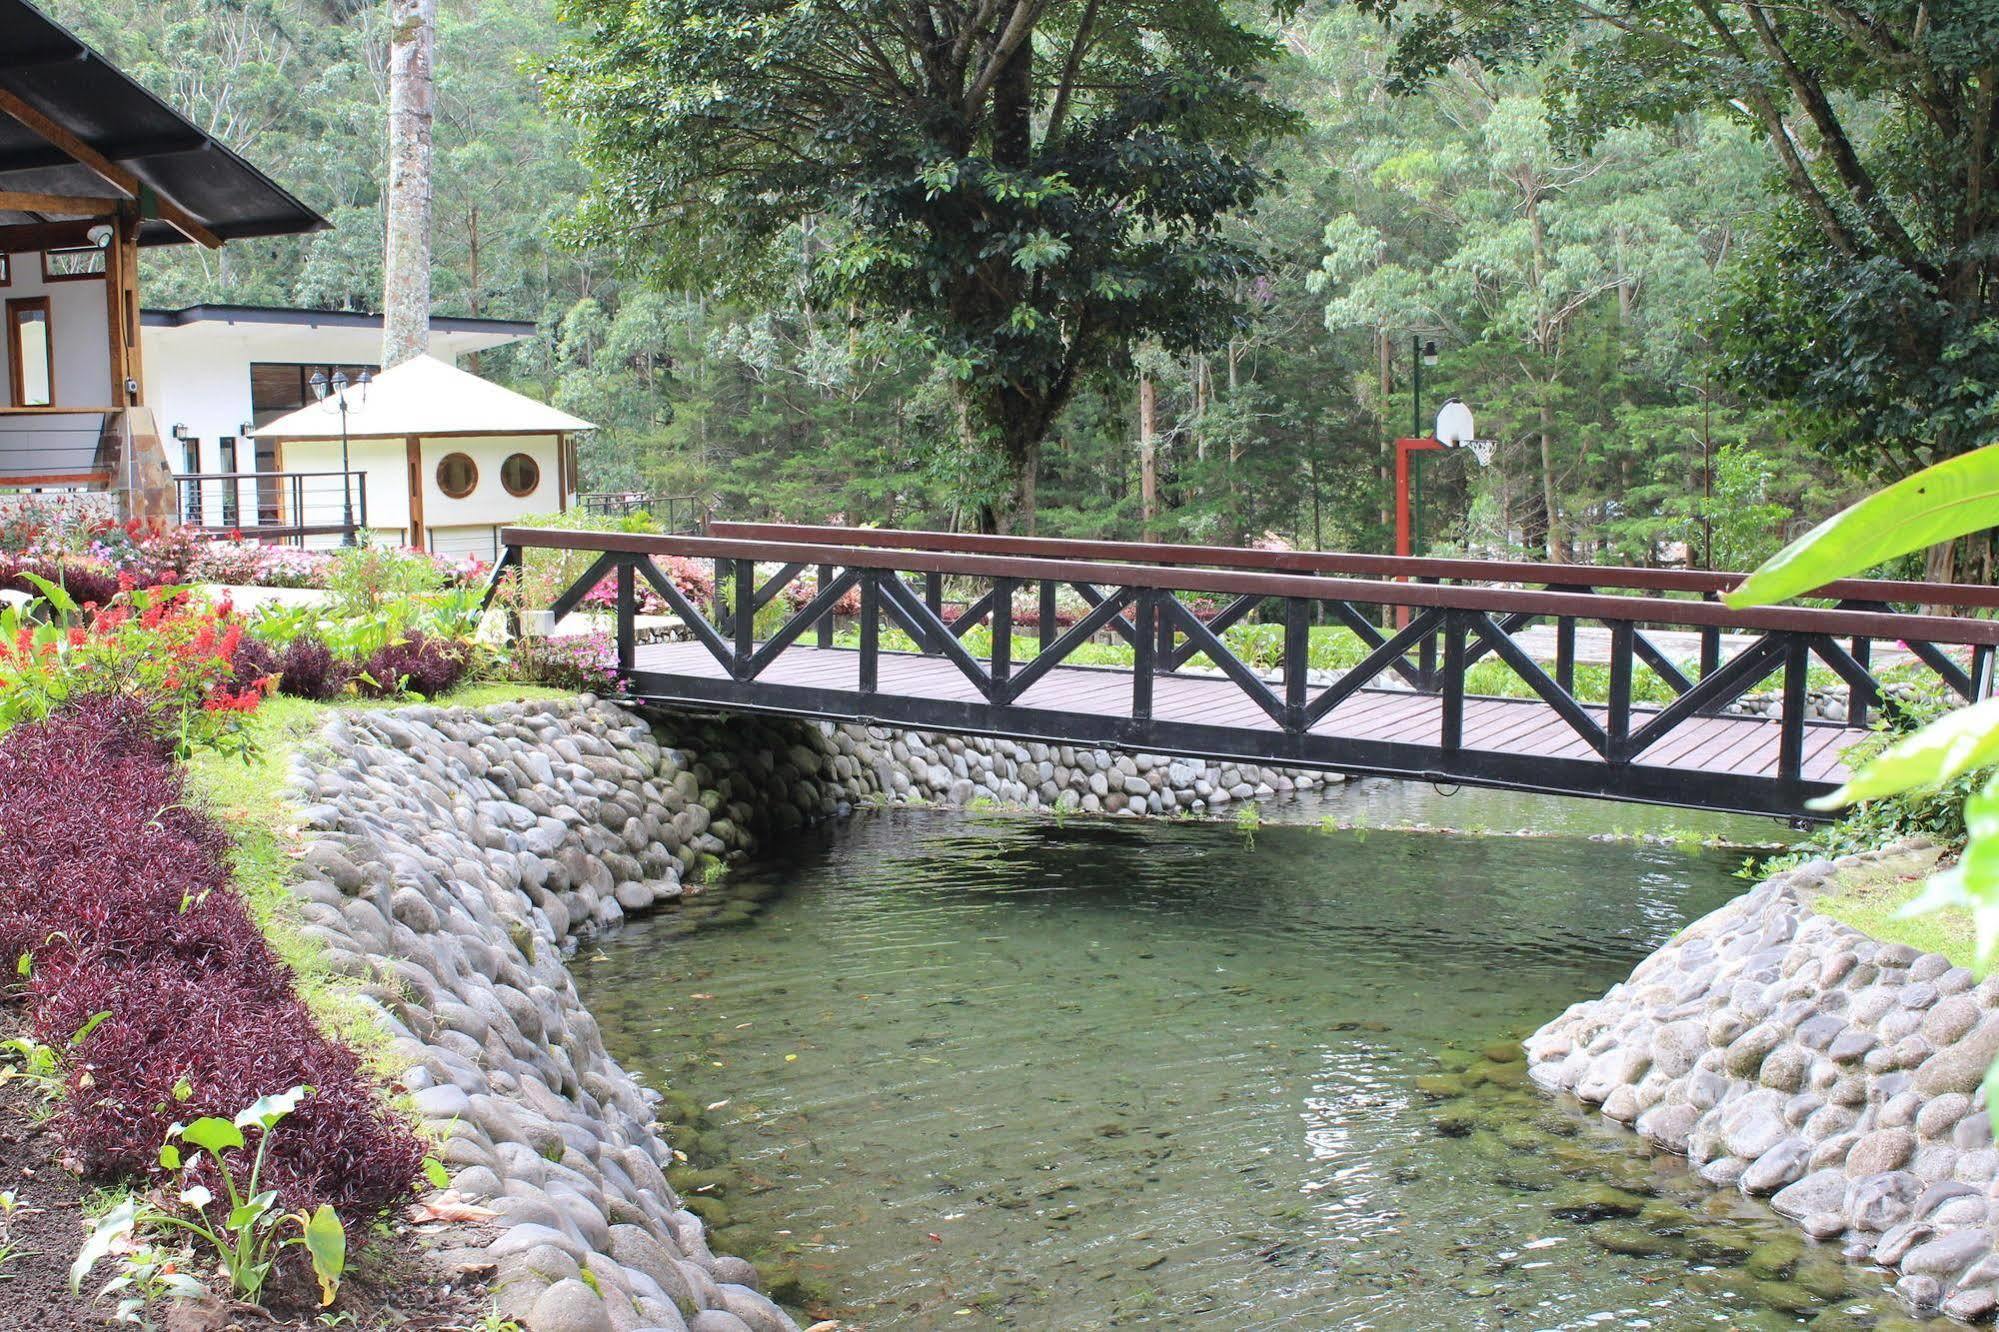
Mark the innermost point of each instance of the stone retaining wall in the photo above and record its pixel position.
(453, 854)
(1791, 1056)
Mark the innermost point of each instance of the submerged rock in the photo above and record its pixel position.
(1787, 1054)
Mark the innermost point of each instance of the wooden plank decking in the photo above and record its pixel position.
(1375, 730)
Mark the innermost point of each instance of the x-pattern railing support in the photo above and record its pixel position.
(1449, 631)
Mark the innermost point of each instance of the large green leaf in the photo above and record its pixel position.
(1940, 503)
(1948, 747)
(326, 1241)
(216, 1135)
(53, 593)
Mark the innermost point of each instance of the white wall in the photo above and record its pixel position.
(451, 526)
(489, 503)
(202, 386)
(198, 374)
(82, 338)
(383, 461)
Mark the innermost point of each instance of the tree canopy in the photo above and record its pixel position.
(1870, 303)
(1031, 188)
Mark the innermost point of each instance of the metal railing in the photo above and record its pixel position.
(674, 513)
(284, 507)
(55, 449)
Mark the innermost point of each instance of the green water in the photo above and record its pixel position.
(955, 1071)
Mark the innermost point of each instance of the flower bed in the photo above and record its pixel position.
(145, 970)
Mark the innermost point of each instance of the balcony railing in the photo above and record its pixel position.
(674, 513)
(286, 507)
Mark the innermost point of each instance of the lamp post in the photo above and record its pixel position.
(339, 385)
(1421, 353)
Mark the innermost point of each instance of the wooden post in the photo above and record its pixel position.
(1618, 723)
(1297, 661)
(1451, 725)
(1143, 618)
(1002, 658)
(824, 629)
(1047, 625)
(1797, 701)
(745, 620)
(870, 629)
(628, 613)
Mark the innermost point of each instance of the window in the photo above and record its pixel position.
(279, 387)
(6, 270)
(457, 475)
(520, 474)
(73, 264)
(29, 348)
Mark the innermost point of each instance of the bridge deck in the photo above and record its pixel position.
(1195, 713)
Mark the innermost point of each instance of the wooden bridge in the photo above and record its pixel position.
(811, 644)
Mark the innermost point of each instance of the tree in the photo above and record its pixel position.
(1871, 300)
(406, 263)
(1034, 185)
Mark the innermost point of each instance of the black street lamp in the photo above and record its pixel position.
(1421, 353)
(339, 385)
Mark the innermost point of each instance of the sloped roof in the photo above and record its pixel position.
(49, 69)
(424, 396)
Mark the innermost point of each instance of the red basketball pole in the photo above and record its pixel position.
(1405, 465)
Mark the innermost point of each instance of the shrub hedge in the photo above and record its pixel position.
(117, 892)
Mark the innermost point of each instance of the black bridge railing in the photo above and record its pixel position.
(1421, 622)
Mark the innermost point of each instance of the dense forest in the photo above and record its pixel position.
(1629, 296)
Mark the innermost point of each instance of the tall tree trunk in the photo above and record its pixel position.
(1236, 524)
(1548, 491)
(406, 267)
(1385, 366)
(1148, 457)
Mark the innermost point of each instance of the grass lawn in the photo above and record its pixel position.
(249, 800)
(1869, 897)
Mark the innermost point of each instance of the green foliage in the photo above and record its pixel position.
(1943, 502)
(1866, 299)
(1030, 197)
(1947, 500)
(244, 1228)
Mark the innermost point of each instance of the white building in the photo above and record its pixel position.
(214, 373)
(445, 458)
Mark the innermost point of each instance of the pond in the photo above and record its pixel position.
(947, 1070)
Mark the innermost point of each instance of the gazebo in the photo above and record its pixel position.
(442, 458)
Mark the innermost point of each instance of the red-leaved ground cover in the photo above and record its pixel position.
(118, 892)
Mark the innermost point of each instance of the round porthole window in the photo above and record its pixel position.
(457, 474)
(520, 474)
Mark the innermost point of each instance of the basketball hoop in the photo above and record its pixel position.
(1481, 450)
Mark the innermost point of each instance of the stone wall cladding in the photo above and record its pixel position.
(452, 854)
(1793, 1057)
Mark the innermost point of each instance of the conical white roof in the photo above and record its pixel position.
(424, 396)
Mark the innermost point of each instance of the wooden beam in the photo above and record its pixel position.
(170, 212)
(45, 236)
(68, 205)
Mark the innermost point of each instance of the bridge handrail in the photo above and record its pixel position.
(1965, 595)
(1314, 587)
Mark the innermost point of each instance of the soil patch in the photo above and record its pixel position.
(395, 1284)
